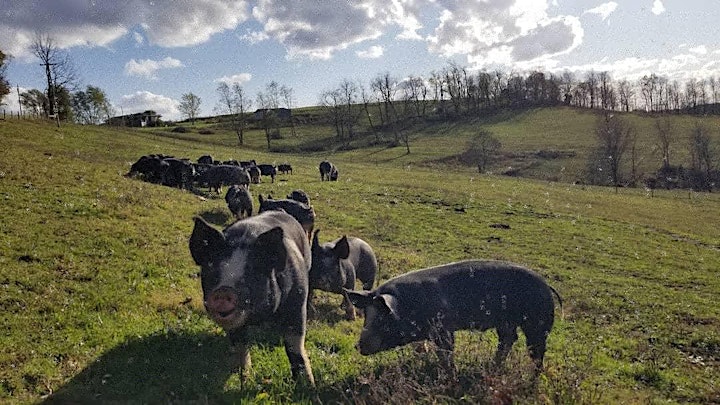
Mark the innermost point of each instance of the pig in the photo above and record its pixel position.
(432, 303)
(255, 272)
(300, 196)
(326, 168)
(284, 168)
(303, 213)
(239, 201)
(336, 265)
(217, 176)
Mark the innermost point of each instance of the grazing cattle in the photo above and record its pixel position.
(299, 195)
(268, 170)
(217, 176)
(284, 168)
(326, 169)
(303, 213)
(255, 272)
(337, 264)
(180, 173)
(150, 168)
(239, 201)
(254, 173)
(205, 160)
(435, 302)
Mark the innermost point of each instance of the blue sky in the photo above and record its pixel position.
(146, 53)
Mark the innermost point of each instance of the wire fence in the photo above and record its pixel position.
(5, 114)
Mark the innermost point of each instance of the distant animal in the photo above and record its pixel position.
(325, 170)
(247, 163)
(205, 160)
(284, 168)
(433, 303)
(254, 173)
(179, 173)
(255, 272)
(268, 170)
(217, 176)
(337, 264)
(299, 195)
(334, 173)
(239, 201)
(150, 168)
(303, 213)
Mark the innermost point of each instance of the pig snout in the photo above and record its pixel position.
(222, 302)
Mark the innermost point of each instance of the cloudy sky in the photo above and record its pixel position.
(146, 53)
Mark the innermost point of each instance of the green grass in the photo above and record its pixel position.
(100, 300)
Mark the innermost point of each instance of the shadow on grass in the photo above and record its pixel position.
(156, 369)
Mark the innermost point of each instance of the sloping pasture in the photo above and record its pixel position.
(100, 299)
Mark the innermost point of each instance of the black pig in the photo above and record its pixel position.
(336, 265)
(256, 271)
(433, 303)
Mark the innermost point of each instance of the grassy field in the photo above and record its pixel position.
(100, 299)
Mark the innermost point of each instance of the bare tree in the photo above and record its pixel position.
(626, 94)
(367, 99)
(664, 138)
(59, 70)
(482, 149)
(190, 106)
(330, 101)
(288, 100)
(614, 136)
(236, 104)
(702, 153)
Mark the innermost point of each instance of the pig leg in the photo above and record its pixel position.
(507, 335)
(349, 308)
(239, 355)
(299, 361)
(445, 342)
(536, 345)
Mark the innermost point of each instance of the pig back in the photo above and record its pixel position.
(473, 295)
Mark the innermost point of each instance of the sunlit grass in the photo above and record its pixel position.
(100, 298)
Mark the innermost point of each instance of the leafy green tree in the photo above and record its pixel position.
(91, 106)
(34, 101)
(190, 106)
(4, 84)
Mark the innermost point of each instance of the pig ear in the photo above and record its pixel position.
(388, 303)
(206, 242)
(268, 251)
(342, 248)
(360, 299)
(315, 241)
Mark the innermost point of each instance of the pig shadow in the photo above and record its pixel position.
(160, 368)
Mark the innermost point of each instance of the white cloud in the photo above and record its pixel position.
(658, 7)
(100, 22)
(502, 31)
(316, 28)
(144, 100)
(239, 78)
(373, 52)
(700, 50)
(138, 38)
(254, 37)
(147, 68)
(604, 10)
(10, 102)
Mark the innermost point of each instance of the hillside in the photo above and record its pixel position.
(545, 143)
(101, 300)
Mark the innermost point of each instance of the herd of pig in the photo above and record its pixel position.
(263, 268)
